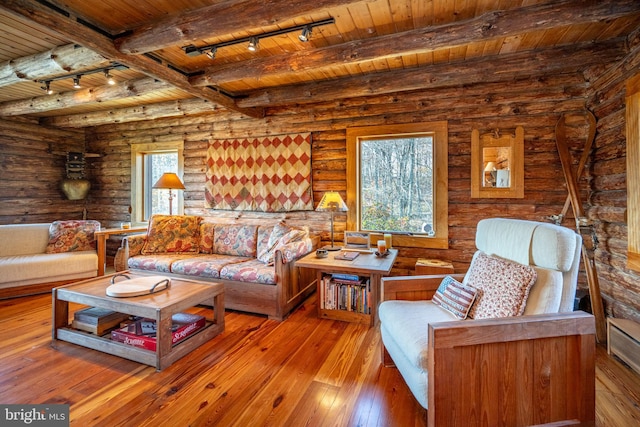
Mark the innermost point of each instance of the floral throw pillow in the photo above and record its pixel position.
(279, 230)
(280, 237)
(172, 234)
(236, 240)
(72, 236)
(455, 297)
(206, 237)
(503, 286)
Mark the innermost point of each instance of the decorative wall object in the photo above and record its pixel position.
(267, 174)
(497, 164)
(75, 186)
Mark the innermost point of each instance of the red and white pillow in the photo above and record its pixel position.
(503, 286)
(455, 297)
(72, 236)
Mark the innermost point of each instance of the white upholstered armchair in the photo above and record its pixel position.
(525, 358)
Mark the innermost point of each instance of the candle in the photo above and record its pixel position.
(387, 240)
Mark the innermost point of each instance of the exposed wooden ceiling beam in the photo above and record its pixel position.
(490, 25)
(184, 107)
(54, 62)
(81, 34)
(218, 19)
(503, 68)
(82, 97)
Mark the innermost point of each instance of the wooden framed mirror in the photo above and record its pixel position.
(497, 164)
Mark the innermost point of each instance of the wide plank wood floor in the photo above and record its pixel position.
(301, 372)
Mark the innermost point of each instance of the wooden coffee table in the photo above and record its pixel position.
(160, 306)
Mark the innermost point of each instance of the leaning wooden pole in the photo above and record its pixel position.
(583, 225)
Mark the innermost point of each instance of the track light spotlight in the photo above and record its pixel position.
(109, 77)
(306, 34)
(253, 44)
(76, 82)
(47, 87)
(211, 53)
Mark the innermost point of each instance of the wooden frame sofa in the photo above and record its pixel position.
(34, 258)
(256, 263)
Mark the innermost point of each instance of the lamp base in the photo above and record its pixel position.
(332, 248)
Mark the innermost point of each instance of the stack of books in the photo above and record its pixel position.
(347, 292)
(97, 320)
(142, 332)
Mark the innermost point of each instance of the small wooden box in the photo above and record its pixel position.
(433, 266)
(623, 340)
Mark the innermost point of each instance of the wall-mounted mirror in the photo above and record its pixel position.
(497, 164)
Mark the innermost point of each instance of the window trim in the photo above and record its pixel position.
(632, 105)
(137, 170)
(440, 131)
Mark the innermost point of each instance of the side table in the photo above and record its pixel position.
(368, 269)
(101, 240)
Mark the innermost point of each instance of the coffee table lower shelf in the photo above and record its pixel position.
(181, 295)
(140, 355)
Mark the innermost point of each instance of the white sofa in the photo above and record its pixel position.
(26, 269)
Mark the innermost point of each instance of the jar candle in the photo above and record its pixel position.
(387, 240)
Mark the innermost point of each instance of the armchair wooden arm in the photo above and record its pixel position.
(413, 288)
(522, 370)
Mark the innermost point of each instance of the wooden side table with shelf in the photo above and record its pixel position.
(368, 267)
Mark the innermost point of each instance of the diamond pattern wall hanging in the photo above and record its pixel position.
(267, 174)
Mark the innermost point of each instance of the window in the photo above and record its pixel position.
(148, 163)
(397, 182)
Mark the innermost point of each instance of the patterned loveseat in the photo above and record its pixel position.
(255, 262)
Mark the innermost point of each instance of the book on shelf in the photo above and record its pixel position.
(345, 276)
(97, 320)
(142, 332)
(346, 256)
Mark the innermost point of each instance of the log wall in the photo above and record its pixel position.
(32, 164)
(619, 286)
(534, 104)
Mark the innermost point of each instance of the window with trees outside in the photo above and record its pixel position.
(397, 182)
(149, 162)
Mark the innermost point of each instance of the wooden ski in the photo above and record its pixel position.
(583, 225)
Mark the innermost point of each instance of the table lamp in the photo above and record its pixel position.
(331, 202)
(169, 181)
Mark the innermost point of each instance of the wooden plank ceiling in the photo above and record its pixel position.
(372, 47)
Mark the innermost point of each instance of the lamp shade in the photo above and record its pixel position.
(170, 181)
(332, 202)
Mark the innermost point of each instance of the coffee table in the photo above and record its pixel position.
(160, 306)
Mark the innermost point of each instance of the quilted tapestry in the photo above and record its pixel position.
(267, 174)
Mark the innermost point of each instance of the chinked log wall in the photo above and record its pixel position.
(533, 104)
(32, 164)
(618, 284)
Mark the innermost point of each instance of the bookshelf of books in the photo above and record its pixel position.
(349, 290)
(345, 297)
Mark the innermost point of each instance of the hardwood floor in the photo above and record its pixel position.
(303, 371)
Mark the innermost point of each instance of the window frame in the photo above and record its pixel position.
(138, 171)
(632, 113)
(439, 130)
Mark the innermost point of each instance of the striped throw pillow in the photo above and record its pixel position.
(455, 297)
